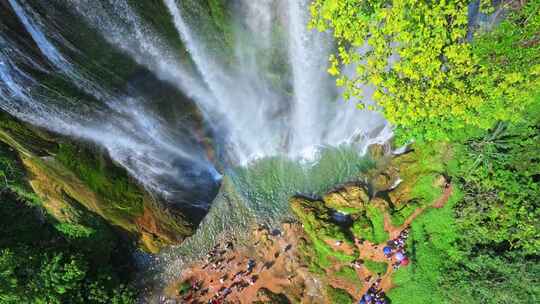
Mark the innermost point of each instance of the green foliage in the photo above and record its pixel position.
(74, 231)
(497, 217)
(430, 246)
(349, 274)
(376, 216)
(441, 86)
(376, 267)
(46, 262)
(370, 225)
(499, 172)
(38, 265)
(34, 277)
(337, 295)
(484, 277)
(425, 190)
(484, 97)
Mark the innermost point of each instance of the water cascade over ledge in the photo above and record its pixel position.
(242, 93)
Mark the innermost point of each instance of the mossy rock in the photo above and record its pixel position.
(386, 180)
(413, 168)
(267, 296)
(322, 231)
(377, 152)
(349, 199)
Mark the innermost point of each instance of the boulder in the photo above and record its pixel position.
(348, 199)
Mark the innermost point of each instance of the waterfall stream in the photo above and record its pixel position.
(257, 77)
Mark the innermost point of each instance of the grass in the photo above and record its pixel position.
(376, 216)
(430, 247)
(376, 267)
(336, 295)
(349, 274)
(399, 216)
(370, 226)
(425, 190)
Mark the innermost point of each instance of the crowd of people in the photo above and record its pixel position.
(396, 249)
(374, 295)
(222, 259)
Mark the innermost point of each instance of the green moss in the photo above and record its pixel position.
(323, 251)
(376, 267)
(426, 190)
(22, 137)
(362, 228)
(317, 225)
(124, 199)
(212, 20)
(336, 295)
(156, 14)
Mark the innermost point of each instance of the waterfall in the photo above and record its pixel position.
(133, 136)
(264, 90)
(312, 118)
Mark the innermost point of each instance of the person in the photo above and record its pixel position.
(405, 261)
(251, 264)
(287, 248)
(368, 297)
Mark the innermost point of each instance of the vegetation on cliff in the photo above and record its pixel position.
(45, 261)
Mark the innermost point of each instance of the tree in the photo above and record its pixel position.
(430, 81)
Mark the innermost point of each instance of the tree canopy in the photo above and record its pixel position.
(431, 82)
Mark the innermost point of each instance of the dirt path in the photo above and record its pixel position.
(444, 198)
(439, 203)
(374, 252)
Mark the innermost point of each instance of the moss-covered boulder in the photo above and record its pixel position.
(414, 175)
(348, 199)
(329, 240)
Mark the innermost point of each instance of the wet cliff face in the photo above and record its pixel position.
(78, 83)
(75, 180)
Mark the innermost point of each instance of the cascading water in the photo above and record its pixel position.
(134, 136)
(280, 126)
